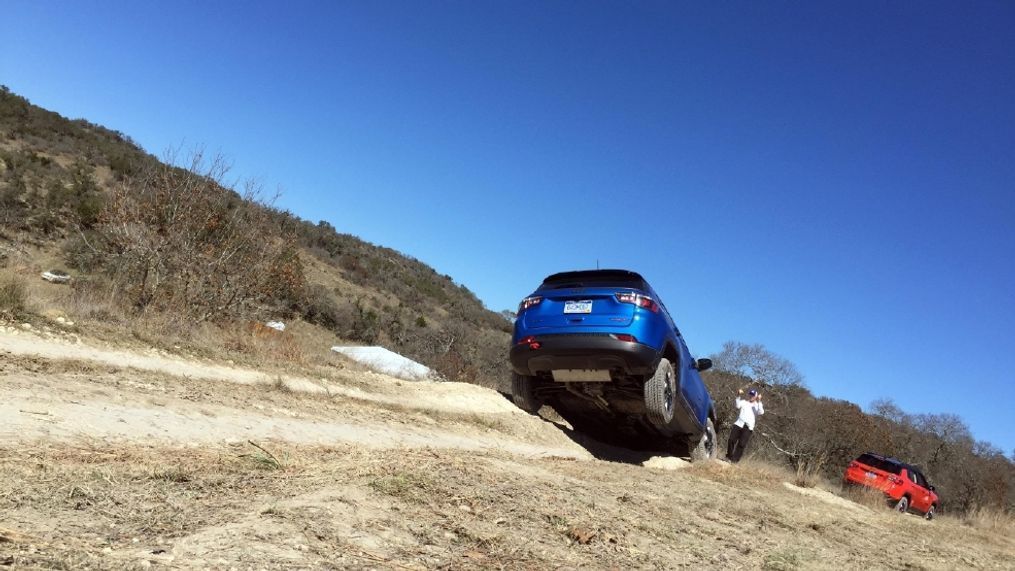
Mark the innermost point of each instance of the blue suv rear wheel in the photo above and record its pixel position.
(661, 395)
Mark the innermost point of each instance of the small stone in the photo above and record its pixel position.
(26, 326)
(61, 320)
(69, 324)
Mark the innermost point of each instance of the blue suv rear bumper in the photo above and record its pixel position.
(583, 351)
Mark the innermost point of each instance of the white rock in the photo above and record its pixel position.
(387, 362)
(665, 463)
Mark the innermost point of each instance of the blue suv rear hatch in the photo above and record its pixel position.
(578, 307)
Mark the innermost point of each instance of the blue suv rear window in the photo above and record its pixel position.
(599, 278)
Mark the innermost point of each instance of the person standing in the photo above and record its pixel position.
(749, 409)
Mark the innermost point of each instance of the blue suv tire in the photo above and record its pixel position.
(661, 395)
(522, 393)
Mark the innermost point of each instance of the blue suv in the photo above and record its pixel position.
(600, 348)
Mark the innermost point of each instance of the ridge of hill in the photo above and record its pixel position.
(63, 182)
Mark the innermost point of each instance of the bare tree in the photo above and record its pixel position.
(817, 434)
(758, 363)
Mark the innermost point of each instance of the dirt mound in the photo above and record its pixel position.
(118, 459)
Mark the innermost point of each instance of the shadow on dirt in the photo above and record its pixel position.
(604, 451)
(598, 449)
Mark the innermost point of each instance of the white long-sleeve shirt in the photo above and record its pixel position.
(748, 410)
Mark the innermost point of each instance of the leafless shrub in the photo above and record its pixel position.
(94, 297)
(182, 240)
(13, 297)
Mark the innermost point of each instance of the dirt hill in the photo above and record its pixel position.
(124, 459)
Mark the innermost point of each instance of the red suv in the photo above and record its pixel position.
(904, 485)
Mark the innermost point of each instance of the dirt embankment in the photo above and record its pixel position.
(131, 459)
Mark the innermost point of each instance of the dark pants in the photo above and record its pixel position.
(739, 437)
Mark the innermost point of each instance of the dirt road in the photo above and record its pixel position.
(115, 458)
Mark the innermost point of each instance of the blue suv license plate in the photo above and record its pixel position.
(584, 306)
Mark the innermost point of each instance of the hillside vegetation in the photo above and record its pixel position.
(817, 437)
(171, 241)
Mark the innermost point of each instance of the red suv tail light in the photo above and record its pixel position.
(642, 301)
(529, 302)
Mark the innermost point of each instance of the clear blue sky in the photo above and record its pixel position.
(834, 181)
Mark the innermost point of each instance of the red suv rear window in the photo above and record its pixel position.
(879, 463)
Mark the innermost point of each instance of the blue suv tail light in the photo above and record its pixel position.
(642, 301)
(529, 302)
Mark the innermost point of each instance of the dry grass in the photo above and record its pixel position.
(271, 505)
(748, 473)
(869, 497)
(97, 310)
(13, 297)
(115, 507)
(93, 301)
(991, 520)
